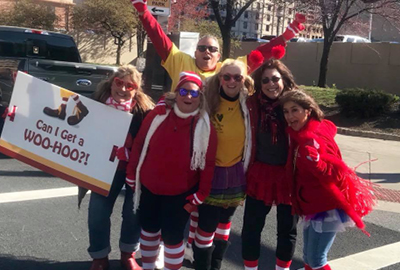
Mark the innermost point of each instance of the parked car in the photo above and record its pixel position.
(299, 39)
(50, 56)
(345, 38)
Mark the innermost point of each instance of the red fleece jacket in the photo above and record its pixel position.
(326, 182)
(166, 167)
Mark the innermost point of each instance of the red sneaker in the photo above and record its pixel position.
(128, 261)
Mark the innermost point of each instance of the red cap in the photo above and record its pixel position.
(188, 76)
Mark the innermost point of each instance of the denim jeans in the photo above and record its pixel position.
(316, 247)
(100, 210)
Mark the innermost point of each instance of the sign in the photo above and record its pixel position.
(159, 7)
(65, 134)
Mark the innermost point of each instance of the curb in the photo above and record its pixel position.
(367, 134)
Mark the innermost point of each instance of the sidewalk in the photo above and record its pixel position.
(385, 171)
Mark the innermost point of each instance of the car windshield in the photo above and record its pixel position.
(52, 47)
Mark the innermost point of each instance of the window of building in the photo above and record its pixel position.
(256, 26)
(288, 21)
(268, 18)
(258, 5)
(245, 25)
(267, 28)
(269, 7)
(246, 14)
(290, 11)
(257, 15)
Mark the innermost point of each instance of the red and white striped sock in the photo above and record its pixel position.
(203, 239)
(173, 256)
(282, 265)
(251, 265)
(223, 231)
(76, 98)
(194, 218)
(149, 243)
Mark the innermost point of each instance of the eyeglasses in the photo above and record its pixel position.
(128, 86)
(229, 77)
(274, 79)
(203, 48)
(193, 93)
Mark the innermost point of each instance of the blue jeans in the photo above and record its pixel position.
(100, 210)
(316, 247)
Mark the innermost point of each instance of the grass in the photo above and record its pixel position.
(323, 96)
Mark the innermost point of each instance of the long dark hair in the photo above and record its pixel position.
(143, 101)
(287, 76)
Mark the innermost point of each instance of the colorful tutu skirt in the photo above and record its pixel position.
(228, 186)
(335, 220)
(268, 183)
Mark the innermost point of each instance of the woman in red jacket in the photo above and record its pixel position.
(326, 192)
(266, 182)
(172, 164)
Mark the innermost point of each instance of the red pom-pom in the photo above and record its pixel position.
(256, 57)
(300, 17)
(278, 52)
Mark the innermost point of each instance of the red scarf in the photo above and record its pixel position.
(269, 117)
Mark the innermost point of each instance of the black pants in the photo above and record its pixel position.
(210, 216)
(253, 224)
(165, 213)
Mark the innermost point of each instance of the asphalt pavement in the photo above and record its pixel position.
(45, 232)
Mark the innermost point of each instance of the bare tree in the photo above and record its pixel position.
(334, 14)
(226, 13)
(116, 18)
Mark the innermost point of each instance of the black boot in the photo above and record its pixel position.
(59, 112)
(80, 111)
(219, 252)
(202, 257)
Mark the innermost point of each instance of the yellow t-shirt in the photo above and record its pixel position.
(178, 61)
(229, 124)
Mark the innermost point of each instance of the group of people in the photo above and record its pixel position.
(221, 139)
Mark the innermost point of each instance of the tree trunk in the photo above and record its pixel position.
(119, 47)
(323, 67)
(226, 46)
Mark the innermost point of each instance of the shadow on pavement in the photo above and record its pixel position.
(385, 177)
(26, 173)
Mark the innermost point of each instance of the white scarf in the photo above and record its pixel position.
(200, 144)
(247, 125)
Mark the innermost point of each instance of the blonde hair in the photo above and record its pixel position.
(303, 100)
(213, 85)
(143, 101)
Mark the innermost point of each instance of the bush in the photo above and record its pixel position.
(365, 103)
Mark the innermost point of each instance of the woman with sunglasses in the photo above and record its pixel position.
(226, 94)
(172, 165)
(266, 181)
(122, 92)
(326, 192)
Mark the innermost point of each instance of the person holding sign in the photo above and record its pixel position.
(122, 92)
(172, 164)
(206, 62)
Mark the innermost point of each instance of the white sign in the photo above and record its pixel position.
(159, 7)
(63, 133)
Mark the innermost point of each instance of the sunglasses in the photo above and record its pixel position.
(229, 77)
(193, 93)
(274, 79)
(128, 86)
(203, 48)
